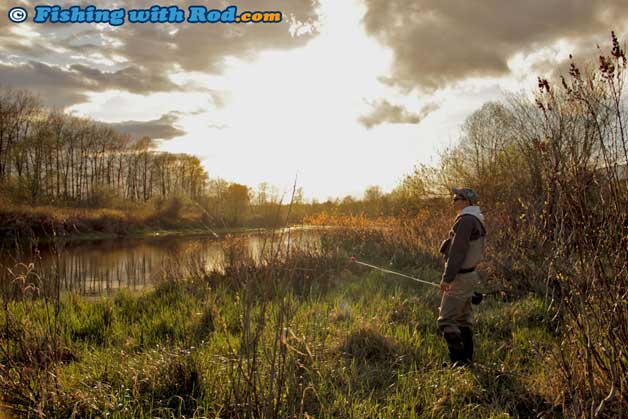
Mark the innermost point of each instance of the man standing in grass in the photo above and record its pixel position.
(463, 250)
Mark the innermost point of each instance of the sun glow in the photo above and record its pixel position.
(287, 114)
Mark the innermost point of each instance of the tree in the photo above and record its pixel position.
(374, 201)
(48, 156)
(236, 202)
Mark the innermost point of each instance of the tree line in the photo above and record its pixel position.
(47, 156)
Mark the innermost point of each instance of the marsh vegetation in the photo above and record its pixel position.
(303, 333)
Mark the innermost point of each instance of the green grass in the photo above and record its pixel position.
(366, 347)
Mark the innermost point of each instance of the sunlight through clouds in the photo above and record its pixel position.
(268, 114)
(290, 111)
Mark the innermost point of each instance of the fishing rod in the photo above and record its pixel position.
(434, 284)
(209, 215)
(476, 298)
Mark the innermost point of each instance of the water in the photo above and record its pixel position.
(103, 266)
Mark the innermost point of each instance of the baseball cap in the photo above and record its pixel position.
(467, 193)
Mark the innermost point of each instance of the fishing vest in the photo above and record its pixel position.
(475, 254)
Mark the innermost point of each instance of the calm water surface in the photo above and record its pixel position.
(102, 266)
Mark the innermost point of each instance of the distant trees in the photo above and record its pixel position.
(375, 201)
(50, 157)
(236, 203)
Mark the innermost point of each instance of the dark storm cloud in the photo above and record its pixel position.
(384, 112)
(437, 42)
(162, 128)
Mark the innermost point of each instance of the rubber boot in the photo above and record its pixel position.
(456, 347)
(466, 335)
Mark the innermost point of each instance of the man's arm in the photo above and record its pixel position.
(458, 248)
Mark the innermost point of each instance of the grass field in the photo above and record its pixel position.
(320, 339)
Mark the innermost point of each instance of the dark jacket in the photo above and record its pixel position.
(464, 248)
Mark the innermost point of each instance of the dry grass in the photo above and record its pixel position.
(24, 221)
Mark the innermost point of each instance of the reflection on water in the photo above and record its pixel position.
(102, 266)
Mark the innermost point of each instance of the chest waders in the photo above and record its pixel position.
(455, 320)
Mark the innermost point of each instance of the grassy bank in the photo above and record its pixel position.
(49, 222)
(343, 344)
(303, 334)
(22, 221)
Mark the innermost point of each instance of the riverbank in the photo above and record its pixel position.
(304, 334)
(345, 344)
(159, 233)
(47, 223)
(217, 232)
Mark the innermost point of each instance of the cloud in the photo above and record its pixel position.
(140, 57)
(57, 87)
(134, 79)
(200, 47)
(217, 126)
(63, 86)
(162, 128)
(439, 42)
(385, 112)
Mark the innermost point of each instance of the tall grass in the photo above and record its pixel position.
(299, 334)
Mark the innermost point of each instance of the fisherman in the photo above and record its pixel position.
(462, 251)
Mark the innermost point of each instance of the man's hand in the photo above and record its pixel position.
(444, 287)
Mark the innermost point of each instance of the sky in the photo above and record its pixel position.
(339, 96)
